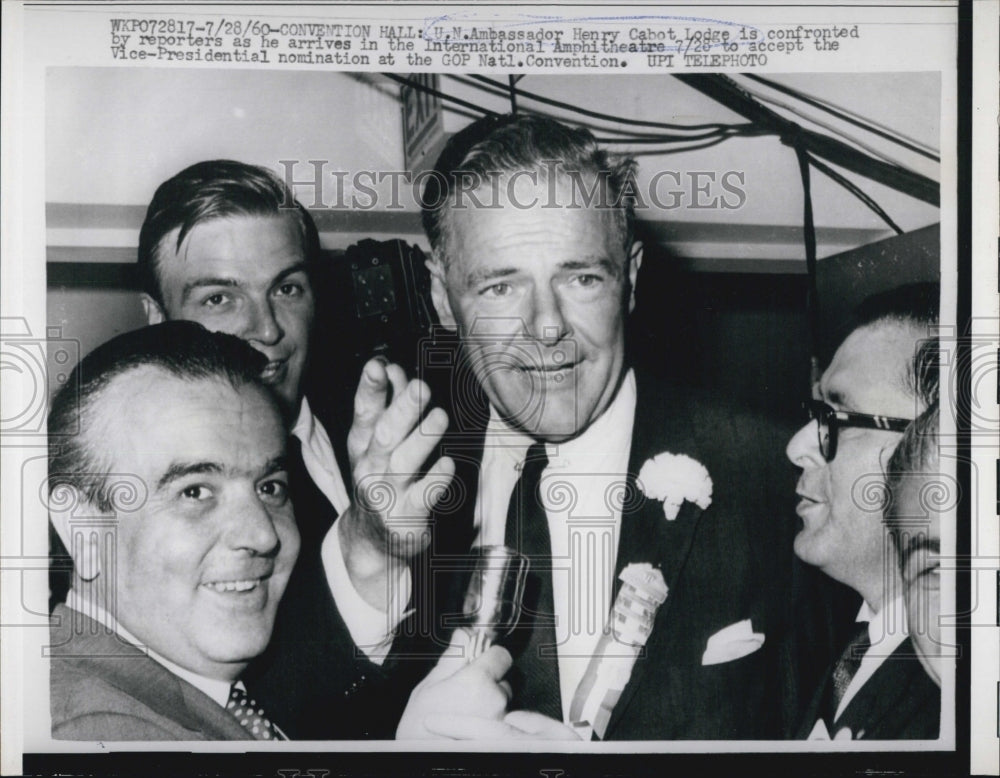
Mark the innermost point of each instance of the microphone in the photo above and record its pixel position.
(492, 603)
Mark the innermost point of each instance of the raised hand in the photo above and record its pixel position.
(388, 445)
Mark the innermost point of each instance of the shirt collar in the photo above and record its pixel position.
(217, 689)
(304, 424)
(888, 621)
(610, 433)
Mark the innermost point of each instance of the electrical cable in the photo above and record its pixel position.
(736, 98)
(723, 133)
(831, 128)
(851, 187)
(598, 114)
(439, 94)
(498, 90)
(809, 238)
(503, 95)
(847, 116)
(680, 150)
(737, 129)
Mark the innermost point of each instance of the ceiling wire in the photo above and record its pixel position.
(713, 138)
(600, 115)
(830, 128)
(852, 118)
(851, 187)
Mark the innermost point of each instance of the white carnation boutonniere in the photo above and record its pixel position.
(674, 478)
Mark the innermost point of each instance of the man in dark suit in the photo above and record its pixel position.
(620, 491)
(226, 244)
(167, 482)
(865, 399)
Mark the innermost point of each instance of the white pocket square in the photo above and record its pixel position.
(733, 642)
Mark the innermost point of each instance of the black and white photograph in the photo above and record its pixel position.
(556, 390)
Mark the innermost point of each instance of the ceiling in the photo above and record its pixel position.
(113, 134)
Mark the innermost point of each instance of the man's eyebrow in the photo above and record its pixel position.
(476, 277)
(604, 263)
(198, 283)
(181, 469)
(610, 267)
(917, 543)
(275, 464)
(298, 267)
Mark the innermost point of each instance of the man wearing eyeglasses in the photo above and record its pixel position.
(863, 402)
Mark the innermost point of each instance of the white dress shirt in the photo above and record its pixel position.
(372, 630)
(217, 690)
(319, 459)
(578, 489)
(579, 494)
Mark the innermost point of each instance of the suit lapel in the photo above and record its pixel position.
(895, 692)
(646, 534)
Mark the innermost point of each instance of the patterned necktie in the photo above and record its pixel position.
(845, 670)
(251, 716)
(536, 678)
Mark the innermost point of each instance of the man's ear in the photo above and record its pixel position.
(154, 313)
(634, 263)
(439, 292)
(85, 548)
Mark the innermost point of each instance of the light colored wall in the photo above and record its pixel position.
(88, 317)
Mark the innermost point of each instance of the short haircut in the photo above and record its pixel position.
(183, 349)
(917, 451)
(497, 144)
(915, 304)
(910, 305)
(212, 190)
(916, 455)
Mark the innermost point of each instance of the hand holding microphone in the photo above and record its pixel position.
(492, 603)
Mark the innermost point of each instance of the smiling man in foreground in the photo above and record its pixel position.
(168, 484)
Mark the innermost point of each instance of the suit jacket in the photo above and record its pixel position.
(102, 688)
(723, 565)
(314, 680)
(899, 702)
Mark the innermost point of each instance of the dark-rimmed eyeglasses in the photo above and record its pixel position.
(830, 420)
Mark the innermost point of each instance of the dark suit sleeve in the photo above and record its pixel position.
(314, 681)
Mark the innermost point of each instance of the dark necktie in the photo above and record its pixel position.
(251, 716)
(314, 513)
(845, 670)
(535, 679)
